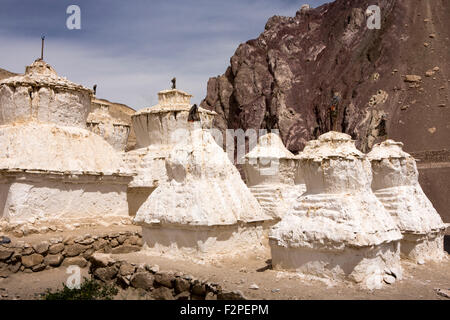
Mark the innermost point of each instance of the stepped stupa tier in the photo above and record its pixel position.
(51, 167)
(272, 175)
(337, 229)
(204, 209)
(157, 125)
(158, 129)
(396, 184)
(41, 95)
(114, 131)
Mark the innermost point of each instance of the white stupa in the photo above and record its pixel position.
(113, 130)
(273, 176)
(158, 129)
(337, 229)
(396, 184)
(204, 209)
(51, 166)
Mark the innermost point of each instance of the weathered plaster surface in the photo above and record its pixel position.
(337, 218)
(41, 95)
(203, 189)
(112, 130)
(272, 175)
(396, 184)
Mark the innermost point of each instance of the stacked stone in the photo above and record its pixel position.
(338, 229)
(204, 210)
(72, 250)
(52, 168)
(273, 176)
(160, 285)
(100, 122)
(396, 185)
(158, 129)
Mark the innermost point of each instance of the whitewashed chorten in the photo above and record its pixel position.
(272, 175)
(158, 129)
(204, 210)
(396, 184)
(337, 229)
(51, 166)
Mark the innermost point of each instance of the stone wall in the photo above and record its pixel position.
(72, 250)
(161, 285)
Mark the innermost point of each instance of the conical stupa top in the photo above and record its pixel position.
(388, 149)
(41, 74)
(270, 146)
(172, 100)
(331, 145)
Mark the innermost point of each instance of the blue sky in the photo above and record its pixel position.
(131, 49)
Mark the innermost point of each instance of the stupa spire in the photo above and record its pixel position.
(42, 47)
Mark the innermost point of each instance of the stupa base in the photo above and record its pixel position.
(206, 243)
(27, 197)
(422, 248)
(368, 266)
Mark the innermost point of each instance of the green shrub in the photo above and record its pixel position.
(89, 290)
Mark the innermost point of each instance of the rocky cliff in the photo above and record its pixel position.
(6, 74)
(392, 82)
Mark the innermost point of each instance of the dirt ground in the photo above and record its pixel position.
(419, 281)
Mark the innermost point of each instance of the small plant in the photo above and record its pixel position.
(89, 290)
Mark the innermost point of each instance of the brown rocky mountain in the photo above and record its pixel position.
(394, 82)
(6, 74)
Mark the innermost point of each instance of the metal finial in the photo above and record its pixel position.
(174, 83)
(42, 47)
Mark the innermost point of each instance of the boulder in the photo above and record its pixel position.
(32, 260)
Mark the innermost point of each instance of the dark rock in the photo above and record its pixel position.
(53, 260)
(162, 293)
(101, 260)
(185, 295)
(87, 241)
(133, 240)
(114, 243)
(164, 279)
(5, 240)
(77, 261)
(199, 289)
(56, 248)
(4, 270)
(39, 267)
(100, 244)
(181, 285)
(126, 269)
(231, 295)
(14, 267)
(41, 248)
(106, 274)
(5, 253)
(121, 239)
(27, 251)
(143, 280)
(32, 260)
(74, 250)
(88, 253)
(211, 296)
(123, 281)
